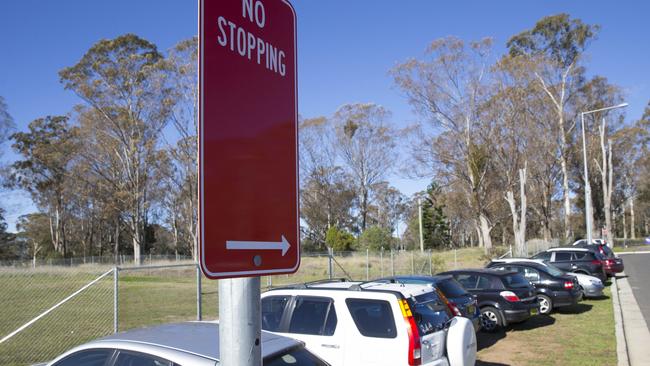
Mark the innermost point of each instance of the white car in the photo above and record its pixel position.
(372, 323)
(591, 286)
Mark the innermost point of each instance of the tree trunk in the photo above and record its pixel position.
(624, 224)
(632, 229)
(519, 222)
(117, 239)
(485, 230)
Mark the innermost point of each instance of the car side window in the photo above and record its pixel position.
(313, 315)
(272, 311)
(562, 256)
(531, 274)
(582, 256)
(89, 357)
(373, 318)
(484, 282)
(467, 280)
(129, 358)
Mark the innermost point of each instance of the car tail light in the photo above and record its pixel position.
(509, 296)
(609, 263)
(415, 350)
(454, 309)
(568, 285)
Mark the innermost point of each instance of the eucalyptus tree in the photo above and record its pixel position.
(46, 153)
(448, 88)
(366, 145)
(555, 46)
(120, 80)
(181, 71)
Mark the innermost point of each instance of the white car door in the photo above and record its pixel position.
(314, 320)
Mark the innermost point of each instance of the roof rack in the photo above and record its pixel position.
(310, 283)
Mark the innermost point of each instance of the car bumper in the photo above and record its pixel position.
(593, 290)
(617, 268)
(517, 316)
(439, 362)
(566, 298)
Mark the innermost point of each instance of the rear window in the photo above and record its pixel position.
(451, 288)
(515, 280)
(298, 356)
(373, 318)
(430, 313)
(272, 310)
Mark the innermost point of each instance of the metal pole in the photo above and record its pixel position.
(392, 263)
(430, 264)
(381, 262)
(420, 221)
(240, 322)
(199, 310)
(367, 264)
(116, 275)
(330, 253)
(587, 185)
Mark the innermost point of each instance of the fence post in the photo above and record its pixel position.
(269, 281)
(455, 258)
(430, 263)
(392, 263)
(367, 264)
(412, 262)
(330, 253)
(381, 262)
(199, 313)
(511, 252)
(116, 274)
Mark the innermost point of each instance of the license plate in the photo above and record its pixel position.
(533, 311)
(470, 309)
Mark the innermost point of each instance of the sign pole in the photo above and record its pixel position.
(240, 322)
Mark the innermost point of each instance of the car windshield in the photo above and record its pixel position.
(554, 271)
(515, 280)
(451, 288)
(430, 313)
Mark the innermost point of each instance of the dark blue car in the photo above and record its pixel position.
(461, 302)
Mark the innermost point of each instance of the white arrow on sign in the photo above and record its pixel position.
(259, 245)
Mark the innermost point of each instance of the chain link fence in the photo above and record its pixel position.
(48, 309)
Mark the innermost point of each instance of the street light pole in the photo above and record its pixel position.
(588, 214)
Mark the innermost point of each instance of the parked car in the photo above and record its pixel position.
(591, 286)
(371, 323)
(504, 297)
(572, 259)
(179, 344)
(460, 302)
(613, 264)
(554, 288)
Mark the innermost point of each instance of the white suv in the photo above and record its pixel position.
(371, 323)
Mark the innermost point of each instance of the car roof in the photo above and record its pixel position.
(407, 290)
(487, 271)
(434, 278)
(198, 338)
(528, 263)
(522, 260)
(569, 249)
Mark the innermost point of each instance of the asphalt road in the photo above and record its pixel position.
(637, 268)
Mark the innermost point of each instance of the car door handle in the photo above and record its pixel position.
(335, 346)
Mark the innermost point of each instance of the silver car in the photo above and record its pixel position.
(180, 344)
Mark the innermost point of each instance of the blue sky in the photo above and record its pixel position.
(345, 48)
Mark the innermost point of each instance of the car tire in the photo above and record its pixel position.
(545, 304)
(491, 319)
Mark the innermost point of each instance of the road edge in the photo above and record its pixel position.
(621, 342)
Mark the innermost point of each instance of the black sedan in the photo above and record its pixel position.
(503, 297)
(554, 288)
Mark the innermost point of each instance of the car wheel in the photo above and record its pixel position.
(545, 304)
(490, 319)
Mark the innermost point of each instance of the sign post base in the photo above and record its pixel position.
(240, 334)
